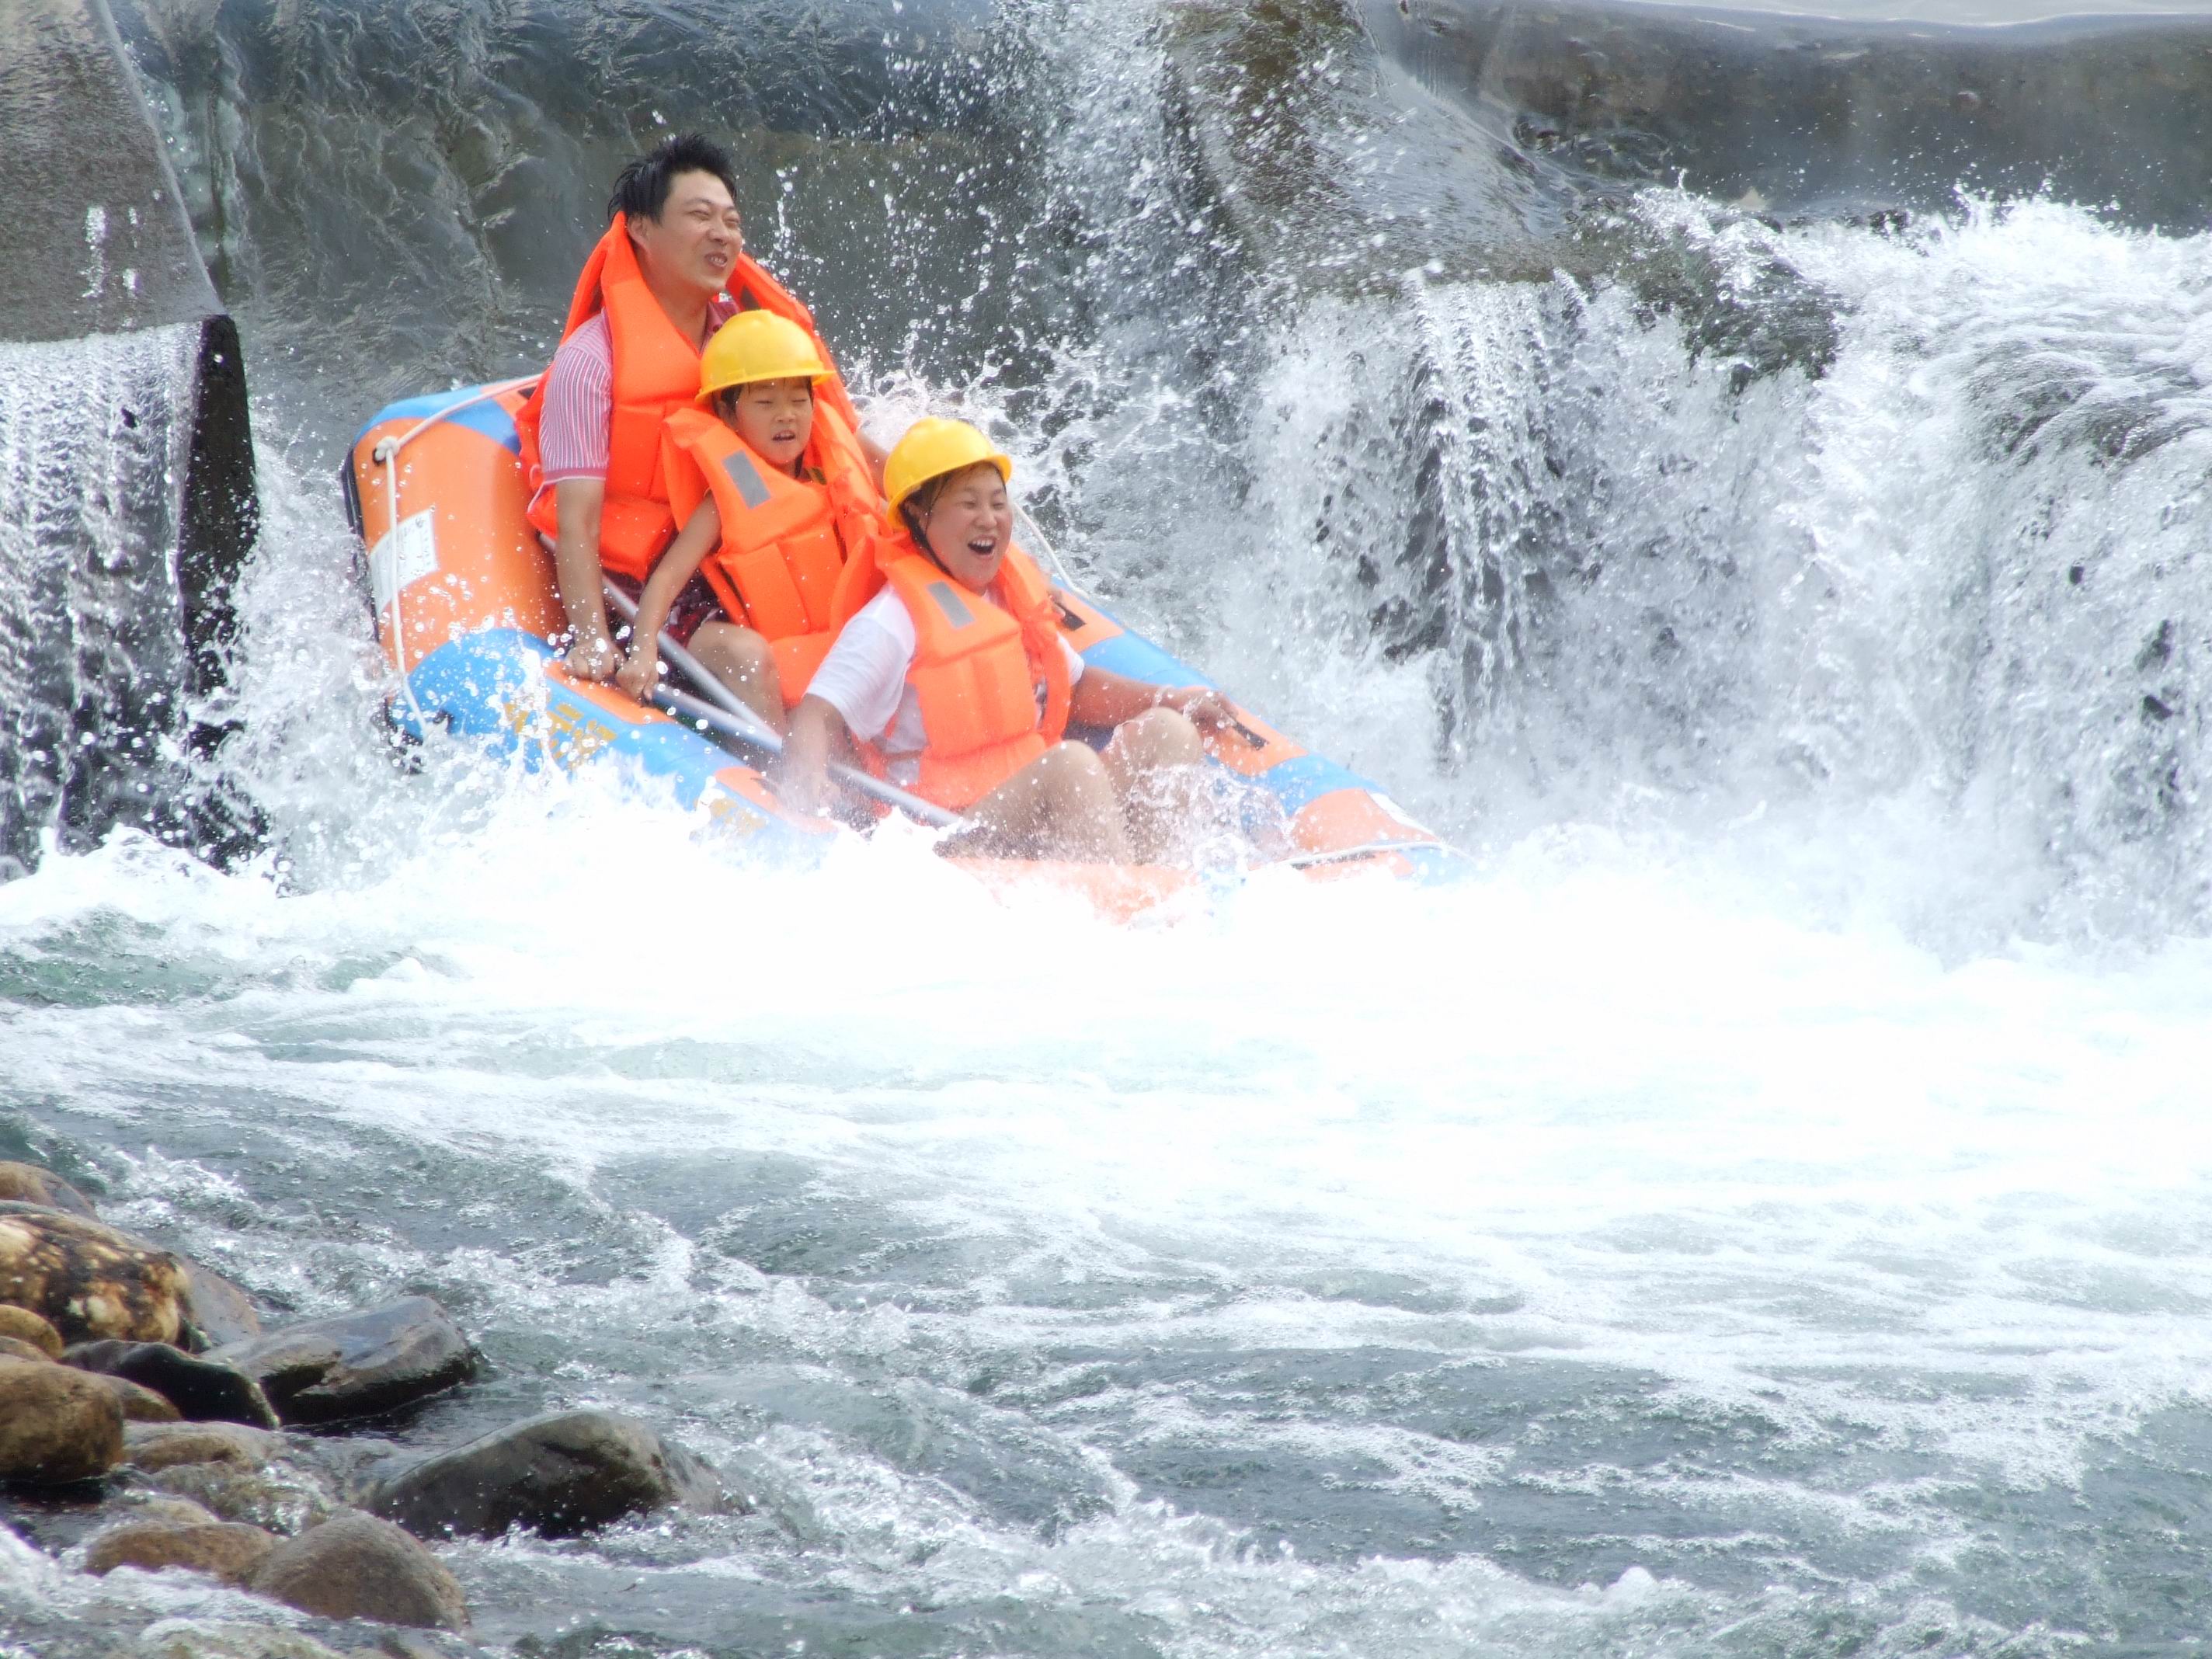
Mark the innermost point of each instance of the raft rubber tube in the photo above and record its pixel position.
(465, 605)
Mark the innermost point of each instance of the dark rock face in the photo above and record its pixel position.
(558, 1475)
(89, 1280)
(1803, 110)
(222, 1548)
(202, 1390)
(110, 274)
(356, 1364)
(27, 1184)
(354, 1566)
(55, 1424)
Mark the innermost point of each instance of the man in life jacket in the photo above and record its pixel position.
(669, 270)
(958, 685)
(780, 515)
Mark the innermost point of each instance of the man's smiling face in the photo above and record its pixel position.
(695, 241)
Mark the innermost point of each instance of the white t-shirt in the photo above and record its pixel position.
(864, 680)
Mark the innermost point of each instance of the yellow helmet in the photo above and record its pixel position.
(757, 345)
(934, 447)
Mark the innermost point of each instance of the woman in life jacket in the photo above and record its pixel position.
(780, 513)
(958, 685)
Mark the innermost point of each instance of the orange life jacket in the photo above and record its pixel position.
(798, 554)
(656, 370)
(976, 667)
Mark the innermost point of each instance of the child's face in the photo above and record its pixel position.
(971, 525)
(775, 417)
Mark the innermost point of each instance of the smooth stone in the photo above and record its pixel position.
(356, 1364)
(139, 1405)
(202, 1388)
(27, 1327)
(153, 1446)
(27, 1184)
(278, 1496)
(13, 1348)
(194, 1639)
(356, 1566)
(55, 1424)
(398, 1644)
(87, 1280)
(558, 1475)
(217, 1308)
(135, 1507)
(224, 1549)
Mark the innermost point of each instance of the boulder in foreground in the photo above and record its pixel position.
(356, 1566)
(27, 1327)
(139, 1405)
(223, 1549)
(27, 1184)
(55, 1424)
(558, 1475)
(355, 1364)
(218, 1309)
(88, 1280)
(200, 1638)
(156, 1446)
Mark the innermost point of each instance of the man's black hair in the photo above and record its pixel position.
(641, 188)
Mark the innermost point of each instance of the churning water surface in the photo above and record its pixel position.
(1762, 1210)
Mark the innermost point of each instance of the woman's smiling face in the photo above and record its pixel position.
(971, 525)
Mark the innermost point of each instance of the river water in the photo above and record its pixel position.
(1762, 1210)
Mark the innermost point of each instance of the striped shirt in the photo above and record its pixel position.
(576, 432)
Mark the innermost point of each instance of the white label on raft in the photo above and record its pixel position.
(400, 556)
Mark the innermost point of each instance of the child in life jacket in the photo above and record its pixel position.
(956, 680)
(779, 512)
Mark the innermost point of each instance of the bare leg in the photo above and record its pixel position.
(744, 662)
(1059, 806)
(1153, 761)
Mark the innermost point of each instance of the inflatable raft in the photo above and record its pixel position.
(465, 609)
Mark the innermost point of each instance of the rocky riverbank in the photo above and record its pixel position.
(149, 1423)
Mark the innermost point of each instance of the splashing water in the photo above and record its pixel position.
(1762, 1210)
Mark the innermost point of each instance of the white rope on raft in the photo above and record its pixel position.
(386, 454)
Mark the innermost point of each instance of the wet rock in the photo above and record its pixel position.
(196, 1638)
(356, 1566)
(27, 1327)
(202, 1388)
(89, 1280)
(356, 1364)
(27, 1184)
(279, 1495)
(56, 1424)
(13, 1348)
(223, 1549)
(557, 1475)
(153, 1446)
(141, 1506)
(217, 1308)
(398, 1644)
(139, 1405)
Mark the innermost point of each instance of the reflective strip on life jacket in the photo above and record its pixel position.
(790, 565)
(975, 675)
(656, 370)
